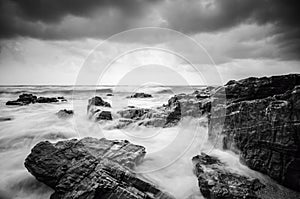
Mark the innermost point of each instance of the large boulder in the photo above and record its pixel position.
(216, 181)
(262, 126)
(91, 168)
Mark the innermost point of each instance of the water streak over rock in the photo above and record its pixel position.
(91, 168)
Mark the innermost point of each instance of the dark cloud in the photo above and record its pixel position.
(85, 18)
(71, 19)
(193, 16)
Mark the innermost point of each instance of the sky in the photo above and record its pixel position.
(168, 42)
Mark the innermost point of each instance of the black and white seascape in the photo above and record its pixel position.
(163, 99)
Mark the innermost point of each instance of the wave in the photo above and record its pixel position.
(57, 91)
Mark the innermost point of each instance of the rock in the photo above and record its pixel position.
(98, 101)
(259, 88)
(104, 115)
(262, 126)
(65, 113)
(91, 168)
(94, 112)
(26, 99)
(62, 99)
(218, 182)
(46, 100)
(140, 95)
(133, 112)
(109, 94)
(3, 119)
(23, 99)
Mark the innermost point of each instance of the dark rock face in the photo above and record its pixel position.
(217, 182)
(259, 88)
(26, 99)
(65, 113)
(262, 125)
(91, 168)
(133, 113)
(95, 113)
(98, 101)
(140, 95)
(104, 115)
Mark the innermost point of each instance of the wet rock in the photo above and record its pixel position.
(103, 115)
(91, 168)
(46, 100)
(95, 113)
(140, 95)
(259, 88)
(3, 119)
(262, 126)
(26, 99)
(133, 112)
(98, 101)
(216, 181)
(65, 113)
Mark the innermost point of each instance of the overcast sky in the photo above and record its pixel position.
(55, 41)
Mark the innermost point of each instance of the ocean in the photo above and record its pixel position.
(169, 150)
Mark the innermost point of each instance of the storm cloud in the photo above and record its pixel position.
(73, 19)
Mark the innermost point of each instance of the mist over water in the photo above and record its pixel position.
(169, 150)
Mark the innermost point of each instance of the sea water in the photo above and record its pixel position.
(169, 150)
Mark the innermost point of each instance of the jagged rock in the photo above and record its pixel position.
(140, 95)
(262, 126)
(98, 101)
(26, 99)
(103, 115)
(218, 182)
(91, 168)
(65, 113)
(259, 88)
(94, 112)
(133, 112)
(46, 100)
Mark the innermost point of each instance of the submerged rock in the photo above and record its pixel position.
(26, 99)
(217, 182)
(262, 126)
(140, 95)
(3, 119)
(91, 168)
(65, 113)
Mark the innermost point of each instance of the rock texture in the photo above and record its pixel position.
(262, 124)
(94, 110)
(65, 114)
(91, 168)
(26, 99)
(140, 95)
(168, 115)
(217, 182)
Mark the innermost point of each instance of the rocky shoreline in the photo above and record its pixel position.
(259, 121)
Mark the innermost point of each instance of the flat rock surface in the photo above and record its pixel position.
(91, 168)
